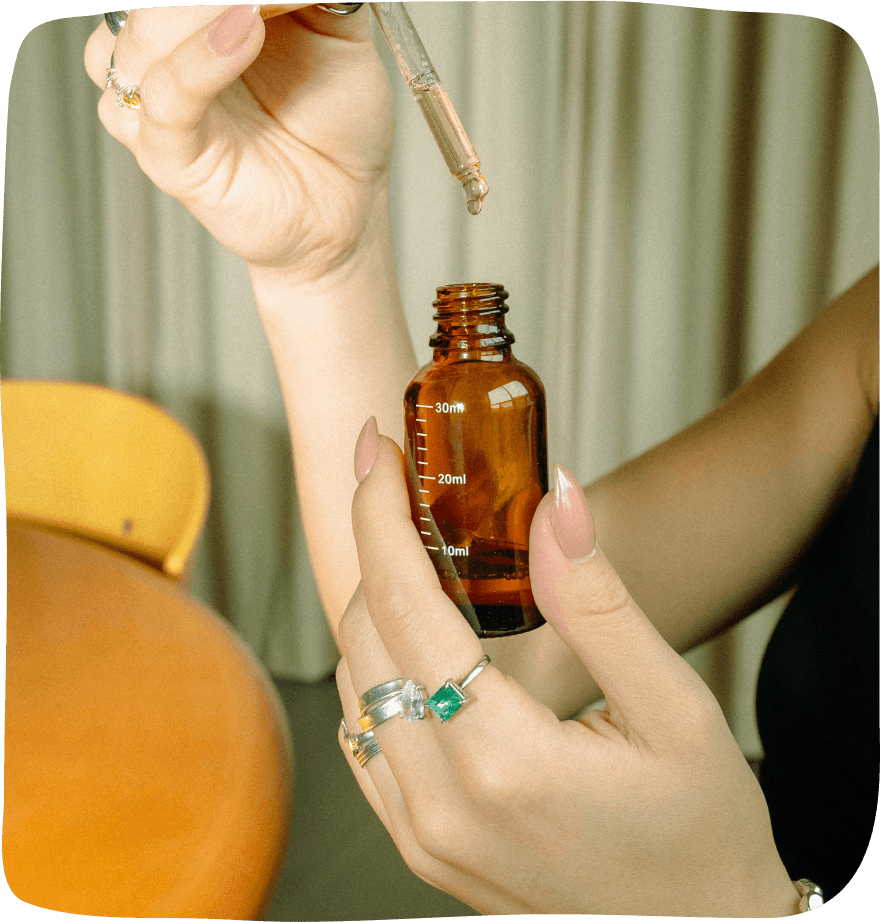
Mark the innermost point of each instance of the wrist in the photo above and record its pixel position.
(345, 317)
(362, 265)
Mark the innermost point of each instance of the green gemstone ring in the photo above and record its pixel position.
(448, 700)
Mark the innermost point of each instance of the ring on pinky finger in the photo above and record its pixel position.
(363, 746)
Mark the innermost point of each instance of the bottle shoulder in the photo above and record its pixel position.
(507, 366)
(527, 372)
(474, 376)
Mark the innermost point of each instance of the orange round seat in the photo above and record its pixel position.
(148, 763)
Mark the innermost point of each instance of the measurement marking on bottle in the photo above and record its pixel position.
(425, 406)
(424, 518)
(448, 407)
(424, 464)
(431, 547)
(420, 448)
(452, 479)
(426, 533)
(424, 491)
(426, 477)
(456, 551)
(424, 435)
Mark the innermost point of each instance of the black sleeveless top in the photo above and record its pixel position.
(817, 702)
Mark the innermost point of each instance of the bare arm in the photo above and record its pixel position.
(710, 525)
(343, 353)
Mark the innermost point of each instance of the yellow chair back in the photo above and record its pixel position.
(110, 466)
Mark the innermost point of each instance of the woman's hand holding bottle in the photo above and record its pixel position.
(275, 134)
(646, 807)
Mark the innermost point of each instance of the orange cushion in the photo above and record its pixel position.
(148, 767)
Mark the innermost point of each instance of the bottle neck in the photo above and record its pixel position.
(470, 322)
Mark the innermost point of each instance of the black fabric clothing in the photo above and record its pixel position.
(817, 701)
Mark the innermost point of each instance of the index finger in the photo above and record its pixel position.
(147, 36)
(421, 628)
(431, 643)
(152, 34)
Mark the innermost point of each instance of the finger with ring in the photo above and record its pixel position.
(379, 693)
(363, 746)
(377, 771)
(448, 700)
(412, 748)
(126, 93)
(409, 702)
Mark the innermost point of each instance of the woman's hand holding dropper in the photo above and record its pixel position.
(275, 134)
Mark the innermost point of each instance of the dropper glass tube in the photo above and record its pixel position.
(433, 100)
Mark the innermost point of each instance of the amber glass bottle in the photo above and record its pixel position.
(476, 455)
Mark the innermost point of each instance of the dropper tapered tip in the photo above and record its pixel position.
(475, 190)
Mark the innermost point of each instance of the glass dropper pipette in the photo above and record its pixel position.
(422, 79)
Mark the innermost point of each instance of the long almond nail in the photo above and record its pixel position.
(367, 449)
(570, 516)
(231, 29)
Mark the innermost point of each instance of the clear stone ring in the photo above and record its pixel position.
(409, 702)
(379, 693)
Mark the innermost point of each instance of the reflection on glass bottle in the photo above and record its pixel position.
(476, 453)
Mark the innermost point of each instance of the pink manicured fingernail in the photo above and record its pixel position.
(231, 29)
(570, 516)
(366, 449)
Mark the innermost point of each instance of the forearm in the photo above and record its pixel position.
(710, 525)
(343, 353)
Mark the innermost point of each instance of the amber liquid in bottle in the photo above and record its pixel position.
(476, 456)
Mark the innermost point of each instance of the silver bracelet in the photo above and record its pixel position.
(811, 895)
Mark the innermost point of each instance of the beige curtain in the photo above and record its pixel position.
(675, 193)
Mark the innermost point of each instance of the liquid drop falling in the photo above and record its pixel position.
(475, 190)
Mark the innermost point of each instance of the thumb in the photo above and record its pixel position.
(579, 593)
(177, 90)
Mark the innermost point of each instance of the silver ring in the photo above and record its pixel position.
(378, 692)
(409, 702)
(340, 9)
(127, 94)
(449, 698)
(483, 663)
(363, 746)
(380, 712)
(115, 21)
